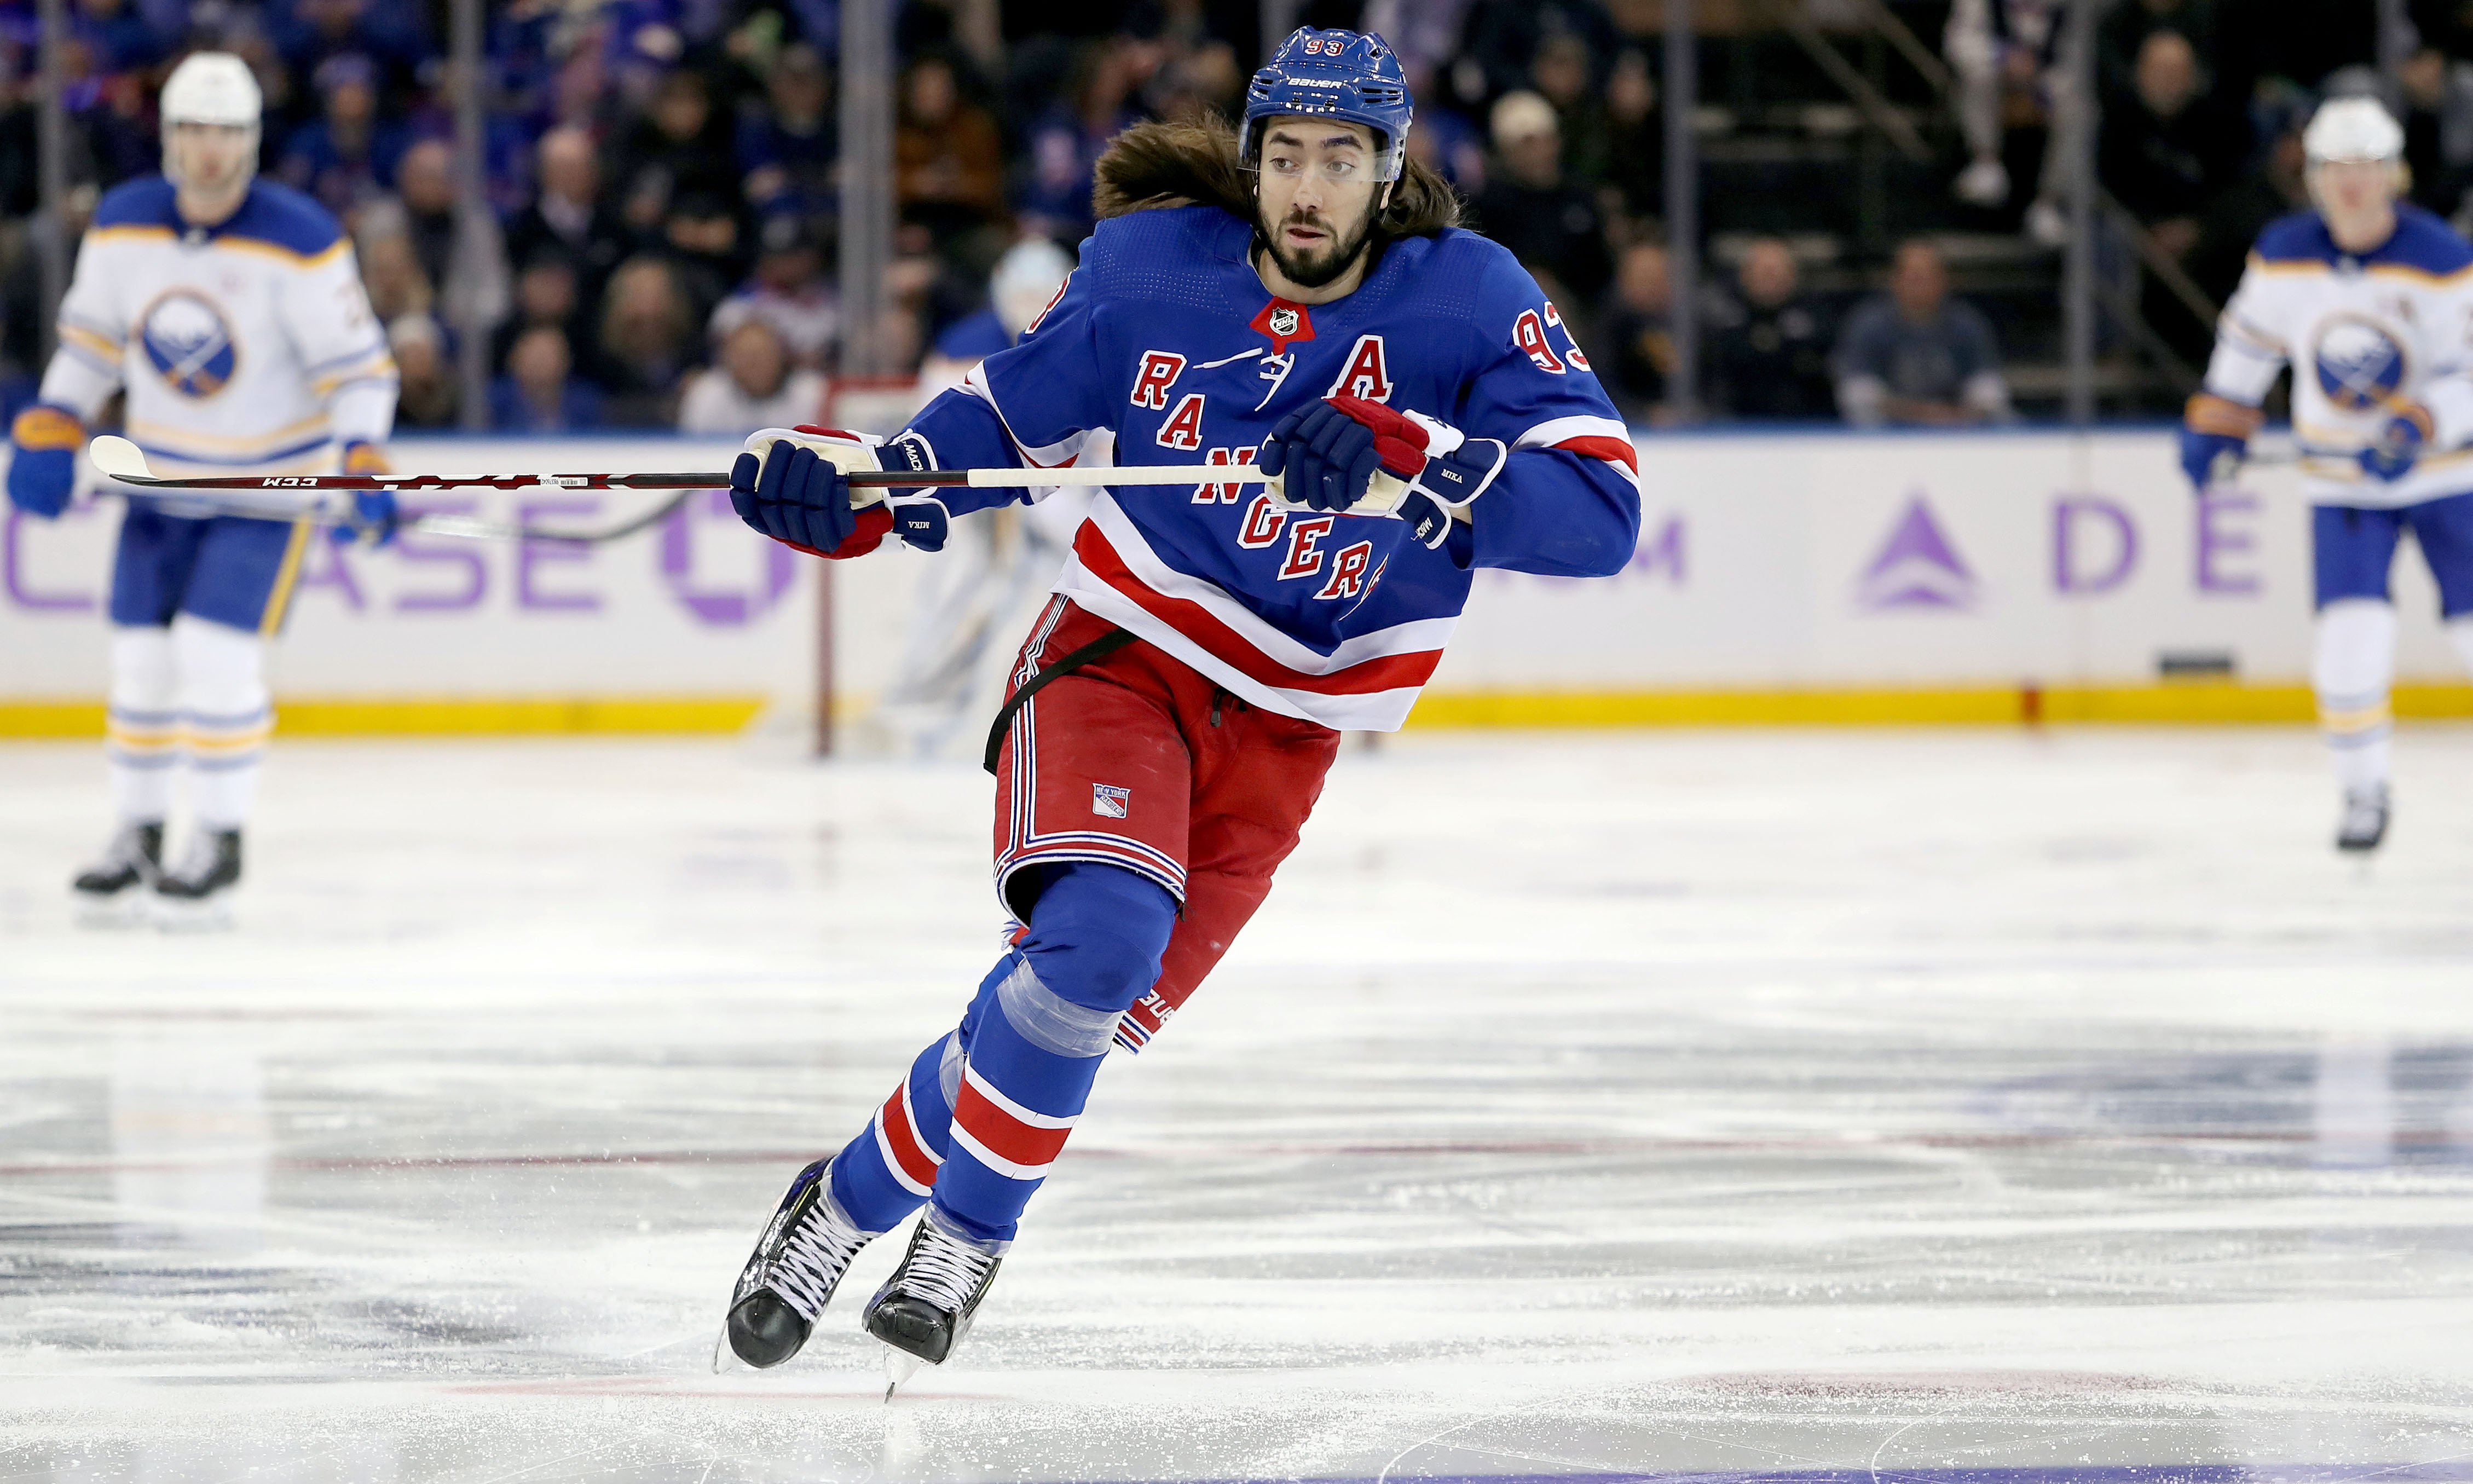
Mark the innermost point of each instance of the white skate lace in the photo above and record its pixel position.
(812, 1260)
(943, 1271)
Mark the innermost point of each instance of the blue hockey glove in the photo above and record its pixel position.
(1444, 467)
(793, 486)
(43, 445)
(920, 520)
(1325, 458)
(375, 515)
(2215, 439)
(2400, 443)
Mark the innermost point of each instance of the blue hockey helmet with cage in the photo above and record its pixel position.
(1348, 75)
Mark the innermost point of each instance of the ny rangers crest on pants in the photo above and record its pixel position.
(1109, 801)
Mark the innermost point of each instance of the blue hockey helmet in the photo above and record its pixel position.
(1347, 75)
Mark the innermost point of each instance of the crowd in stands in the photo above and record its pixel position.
(657, 246)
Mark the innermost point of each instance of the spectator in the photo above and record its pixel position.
(1550, 225)
(788, 292)
(1202, 83)
(459, 250)
(754, 387)
(117, 34)
(2234, 218)
(701, 234)
(2001, 51)
(2164, 149)
(788, 148)
(682, 146)
(1771, 359)
(2122, 34)
(391, 272)
(427, 398)
(1067, 140)
(1500, 39)
(308, 34)
(348, 155)
(1561, 76)
(948, 164)
(1448, 144)
(2438, 128)
(1635, 179)
(570, 216)
(1916, 355)
(1639, 326)
(546, 292)
(540, 393)
(647, 338)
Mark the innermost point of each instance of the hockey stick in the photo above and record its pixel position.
(120, 460)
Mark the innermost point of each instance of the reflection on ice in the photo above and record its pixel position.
(189, 1139)
(1783, 1107)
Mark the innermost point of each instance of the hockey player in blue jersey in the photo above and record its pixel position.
(1293, 296)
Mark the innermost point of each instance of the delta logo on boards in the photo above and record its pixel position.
(1917, 568)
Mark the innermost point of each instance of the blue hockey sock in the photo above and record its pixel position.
(1043, 1024)
(881, 1176)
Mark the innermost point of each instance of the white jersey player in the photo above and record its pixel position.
(230, 313)
(2369, 299)
(952, 656)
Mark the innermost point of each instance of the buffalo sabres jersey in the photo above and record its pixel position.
(2366, 334)
(247, 347)
(1164, 347)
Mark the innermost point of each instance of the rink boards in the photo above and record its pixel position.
(1810, 577)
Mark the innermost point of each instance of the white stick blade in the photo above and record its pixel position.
(117, 458)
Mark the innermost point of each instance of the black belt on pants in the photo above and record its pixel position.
(1104, 645)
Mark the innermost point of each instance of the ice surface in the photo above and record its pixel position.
(1860, 1105)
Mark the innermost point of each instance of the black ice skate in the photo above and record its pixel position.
(2363, 824)
(926, 1307)
(802, 1255)
(108, 888)
(196, 894)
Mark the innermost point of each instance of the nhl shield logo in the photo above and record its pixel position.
(1284, 321)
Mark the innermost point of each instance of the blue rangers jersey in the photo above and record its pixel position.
(1164, 347)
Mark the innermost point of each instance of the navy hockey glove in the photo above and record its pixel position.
(1445, 469)
(2400, 443)
(1325, 458)
(793, 486)
(2215, 439)
(375, 515)
(43, 445)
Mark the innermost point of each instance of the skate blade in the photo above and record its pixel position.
(900, 1365)
(120, 914)
(725, 1360)
(212, 916)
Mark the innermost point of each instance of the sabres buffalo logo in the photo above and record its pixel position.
(190, 343)
(1284, 321)
(2360, 365)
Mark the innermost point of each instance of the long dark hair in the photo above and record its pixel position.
(1163, 164)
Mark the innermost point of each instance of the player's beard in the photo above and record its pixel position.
(1312, 271)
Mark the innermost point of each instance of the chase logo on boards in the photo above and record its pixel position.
(2360, 365)
(190, 343)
